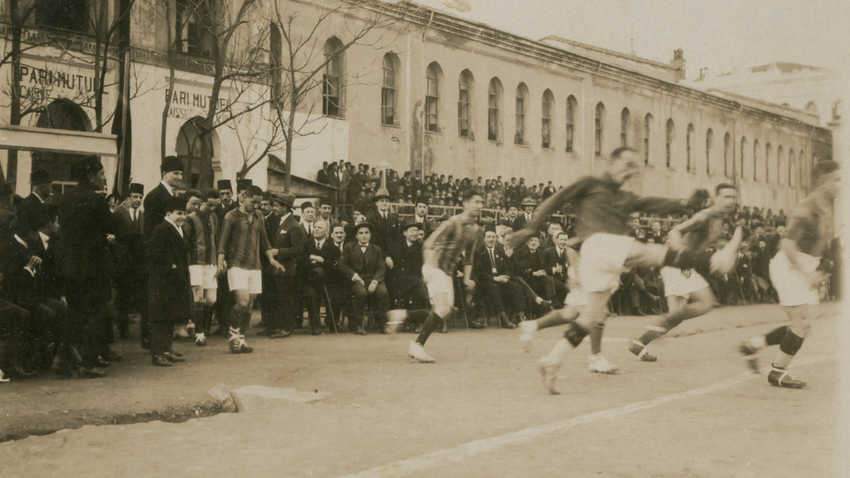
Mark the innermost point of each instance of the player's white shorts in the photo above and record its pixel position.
(792, 285)
(243, 279)
(438, 282)
(203, 275)
(603, 258)
(677, 283)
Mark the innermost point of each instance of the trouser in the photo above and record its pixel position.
(361, 294)
(556, 291)
(15, 322)
(282, 302)
(265, 309)
(161, 333)
(318, 291)
(50, 323)
(89, 319)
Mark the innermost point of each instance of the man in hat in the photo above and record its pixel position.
(325, 211)
(322, 278)
(308, 215)
(386, 224)
(171, 170)
(132, 278)
(407, 270)
(493, 267)
(202, 231)
(456, 237)
(170, 286)
(280, 295)
(42, 190)
(420, 216)
(362, 263)
(528, 206)
(87, 225)
(270, 217)
(225, 190)
(243, 242)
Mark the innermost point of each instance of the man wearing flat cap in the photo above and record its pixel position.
(363, 265)
(87, 225)
(172, 174)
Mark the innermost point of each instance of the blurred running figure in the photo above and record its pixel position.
(603, 215)
(794, 274)
(688, 294)
(440, 255)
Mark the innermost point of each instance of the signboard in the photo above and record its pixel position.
(187, 103)
(39, 85)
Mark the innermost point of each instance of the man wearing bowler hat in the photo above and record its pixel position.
(280, 294)
(407, 270)
(362, 263)
(386, 224)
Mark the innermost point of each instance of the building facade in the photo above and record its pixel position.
(424, 90)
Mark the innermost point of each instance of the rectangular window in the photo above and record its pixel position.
(330, 95)
(598, 136)
(520, 121)
(388, 97)
(194, 37)
(570, 127)
(463, 111)
(493, 116)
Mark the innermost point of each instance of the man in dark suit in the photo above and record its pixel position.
(322, 278)
(420, 216)
(171, 298)
(132, 274)
(7, 216)
(555, 264)
(322, 175)
(386, 224)
(225, 190)
(406, 272)
(528, 206)
(87, 228)
(287, 245)
(493, 270)
(528, 264)
(362, 263)
(42, 191)
(172, 174)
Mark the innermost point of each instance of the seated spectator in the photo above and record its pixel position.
(362, 264)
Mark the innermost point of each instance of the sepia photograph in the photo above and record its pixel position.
(431, 238)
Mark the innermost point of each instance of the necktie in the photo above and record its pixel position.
(492, 259)
(309, 229)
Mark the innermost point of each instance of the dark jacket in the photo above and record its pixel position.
(369, 265)
(482, 267)
(86, 220)
(328, 270)
(551, 259)
(407, 260)
(169, 289)
(386, 230)
(155, 208)
(289, 240)
(21, 285)
(527, 263)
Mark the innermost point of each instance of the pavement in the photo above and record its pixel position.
(479, 411)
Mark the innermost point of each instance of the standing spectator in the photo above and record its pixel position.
(550, 190)
(88, 227)
(7, 216)
(385, 224)
(281, 295)
(172, 174)
(42, 192)
(132, 276)
(322, 175)
(170, 288)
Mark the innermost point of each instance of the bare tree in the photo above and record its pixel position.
(306, 80)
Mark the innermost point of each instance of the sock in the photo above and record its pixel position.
(207, 319)
(431, 323)
(596, 339)
(775, 336)
(788, 348)
(234, 331)
(575, 334)
(198, 317)
(560, 350)
(652, 333)
(245, 323)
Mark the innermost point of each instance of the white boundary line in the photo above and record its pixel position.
(454, 455)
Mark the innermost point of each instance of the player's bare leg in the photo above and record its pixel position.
(554, 318)
(441, 308)
(681, 308)
(789, 338)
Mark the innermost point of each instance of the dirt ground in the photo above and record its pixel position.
(480, 411)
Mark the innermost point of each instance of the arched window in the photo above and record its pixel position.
(196, 152)
(432, 97)
(548, 102)
(709, 144)
(728, 169)
(521, 105)
(781, 166)
(494, 110)
(768, 153)
(647, 125)
(755, 160)
(64, 115)
(812, 108)
(572, 108)
(671, 135)
(836, 110)
(743, 151)
(688, 146)
(389, 89)
(599, 124)
(464, 104)
(333, 83)
(625, 119)
(792, 168)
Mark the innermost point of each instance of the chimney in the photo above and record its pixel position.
(678, 63)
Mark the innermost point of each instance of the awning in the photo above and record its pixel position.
(57, 141)
(299, 186)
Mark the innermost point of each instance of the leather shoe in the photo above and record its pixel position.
(279, 334)
(92, 372)
(111, 356)
(172, 358)
(160, 361)
(174, 353)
